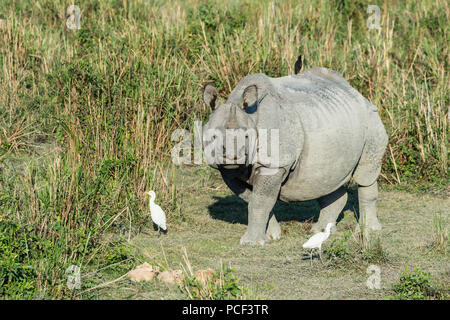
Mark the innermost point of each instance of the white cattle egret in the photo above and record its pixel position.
(156, 213)
(315, 242)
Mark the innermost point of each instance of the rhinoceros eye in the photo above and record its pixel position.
(250, 109)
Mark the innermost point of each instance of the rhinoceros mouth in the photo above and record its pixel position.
(230, 166)
(232, 149)
(235, 159)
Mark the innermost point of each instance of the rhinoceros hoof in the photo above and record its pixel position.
(374, 226)
(316, 227)
(274, 233)
(251, 239)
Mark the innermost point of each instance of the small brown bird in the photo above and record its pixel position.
(298, 65)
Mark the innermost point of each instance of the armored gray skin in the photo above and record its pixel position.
(328, 133)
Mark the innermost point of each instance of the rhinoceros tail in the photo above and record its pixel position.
(298, 65)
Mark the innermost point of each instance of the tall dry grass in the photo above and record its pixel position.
(86, 116)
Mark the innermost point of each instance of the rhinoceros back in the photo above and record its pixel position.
(334, 118)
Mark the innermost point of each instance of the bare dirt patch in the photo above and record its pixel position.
(214, 219)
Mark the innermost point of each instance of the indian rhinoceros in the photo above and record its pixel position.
(327, 133)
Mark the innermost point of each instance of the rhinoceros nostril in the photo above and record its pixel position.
(231, 124)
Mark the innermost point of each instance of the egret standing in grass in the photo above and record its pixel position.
(315, 242)
(156, 213)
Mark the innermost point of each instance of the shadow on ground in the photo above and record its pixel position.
(234, 210)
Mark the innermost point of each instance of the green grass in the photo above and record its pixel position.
(86, 116)
(417, 285)
(440, 240)
(346, 252)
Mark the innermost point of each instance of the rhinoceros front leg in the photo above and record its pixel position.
(273, 229)
(265, 192)
(239, 187)
(242, 190)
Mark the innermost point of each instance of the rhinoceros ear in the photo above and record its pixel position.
(210, 96)
(250, 96)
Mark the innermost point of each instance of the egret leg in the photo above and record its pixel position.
(320, 256)
(159, 232)
(310, 257)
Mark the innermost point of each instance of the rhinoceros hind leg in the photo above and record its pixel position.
(331, 206)
(367, 197)
(369, 165)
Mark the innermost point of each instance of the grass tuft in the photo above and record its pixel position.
(417, 285)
